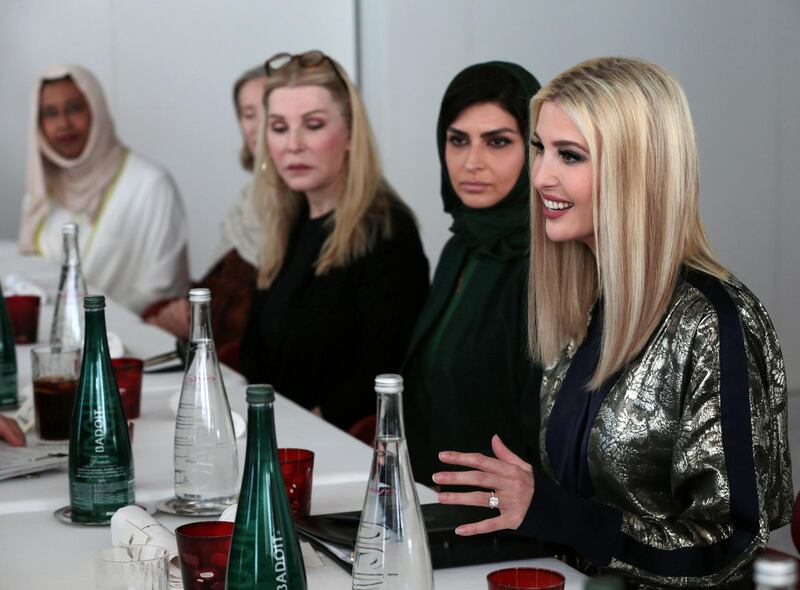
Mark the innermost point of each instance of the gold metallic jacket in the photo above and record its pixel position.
(674, 472)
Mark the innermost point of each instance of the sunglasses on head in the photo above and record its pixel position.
(309, 59)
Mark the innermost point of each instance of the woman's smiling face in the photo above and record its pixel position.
(562, 176)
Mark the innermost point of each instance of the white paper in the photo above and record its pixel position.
(16, 461)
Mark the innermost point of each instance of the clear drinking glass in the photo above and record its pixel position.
(143, 567)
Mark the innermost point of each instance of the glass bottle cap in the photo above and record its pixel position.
(389, 383)
(260, 393)
(93, 302)
(69, 229)
(199, 295)
(775, 570)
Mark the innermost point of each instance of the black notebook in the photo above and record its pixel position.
(335, 534)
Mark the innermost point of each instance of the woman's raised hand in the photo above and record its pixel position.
(506, 476)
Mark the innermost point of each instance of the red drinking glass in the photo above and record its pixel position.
(128, 372)
(24, 313)
(525, 578)
(203, 548)
(297, 466)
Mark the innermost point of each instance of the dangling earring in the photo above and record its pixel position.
(263, 166)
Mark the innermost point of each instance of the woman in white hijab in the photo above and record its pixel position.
(133, 230)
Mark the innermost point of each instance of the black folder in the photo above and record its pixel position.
(447, 548)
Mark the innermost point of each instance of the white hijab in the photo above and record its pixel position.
(241, 230)
(76, 184)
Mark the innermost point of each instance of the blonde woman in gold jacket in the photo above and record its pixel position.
(664, 413)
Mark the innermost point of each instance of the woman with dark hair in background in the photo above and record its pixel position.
(342, 274)
(468, 361)
(233, 272)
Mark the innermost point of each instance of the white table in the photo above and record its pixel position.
(38, 552)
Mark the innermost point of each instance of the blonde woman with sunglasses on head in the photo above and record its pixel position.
(343, 274)
(664, 412)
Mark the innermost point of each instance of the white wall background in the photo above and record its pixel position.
(167, 69)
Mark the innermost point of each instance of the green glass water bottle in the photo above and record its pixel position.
(100, 458)
(265, 552)
(8, 359)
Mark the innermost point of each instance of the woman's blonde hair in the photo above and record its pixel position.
(363, 214)
(635, 119)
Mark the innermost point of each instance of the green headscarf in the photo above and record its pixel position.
(503, 230)
(467, 372)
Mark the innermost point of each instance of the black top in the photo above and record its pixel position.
(468, 374)
(321, 340)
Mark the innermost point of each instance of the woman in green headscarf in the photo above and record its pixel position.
(468, 374)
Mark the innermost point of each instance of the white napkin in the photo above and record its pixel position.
(115, 347)
(239, 424)
(17, 285)
(133, 526)
(229, 514)
(25, 414)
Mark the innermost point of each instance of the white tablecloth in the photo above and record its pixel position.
(38, 552)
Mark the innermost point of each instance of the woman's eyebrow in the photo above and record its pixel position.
(489, 133)
(499, 131)
(561, 143)
(304, 115)
(568, 143)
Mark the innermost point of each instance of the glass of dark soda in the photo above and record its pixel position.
(55, 371)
